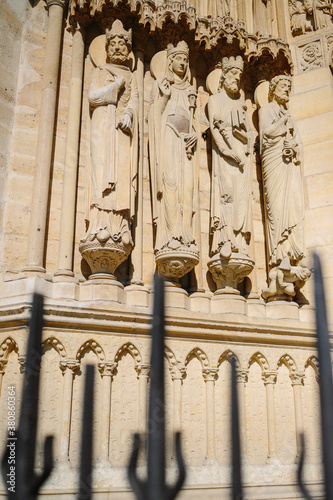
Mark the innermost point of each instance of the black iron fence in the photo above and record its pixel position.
(26, 483)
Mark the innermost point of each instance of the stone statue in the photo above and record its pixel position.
(322, 13)
(262, 17)
(217, 8)
(113, 99)
(174, 167)
(298, 11)
(231, 193)
(281, 156)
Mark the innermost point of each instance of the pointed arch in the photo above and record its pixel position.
(314, 362)
(7, 347)
(170, 356)
(259, 358)
(226, 356)
(289, 362)
(57, 345)
(91, 345)
(198, 353)
(132, 350)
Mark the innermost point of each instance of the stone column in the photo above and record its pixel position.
(67, 225)
(210, 375)
(297, 382)
(269, 379)
(178, 374)
(35, 257)
(107, 371)
(143, 372)
(68, 368)
(3, 364)
(138, 223)
(242, 378)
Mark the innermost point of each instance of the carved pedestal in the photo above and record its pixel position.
(228, 273)
(103, 257)
(174, 264)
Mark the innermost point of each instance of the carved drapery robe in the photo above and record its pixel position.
(262, 17)
(298, 10)
(283, 187)
(322, 13)
(174, 176)
(113, 152)
(231, 185)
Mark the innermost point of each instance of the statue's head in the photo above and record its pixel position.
(232, 70)
(178, 61)
(118, 43)
(279, 89)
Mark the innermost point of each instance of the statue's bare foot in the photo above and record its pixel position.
(225, 250)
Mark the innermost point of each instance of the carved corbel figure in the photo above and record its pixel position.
(113, 99)
(281, 157)
(174, 165)
(231, 195)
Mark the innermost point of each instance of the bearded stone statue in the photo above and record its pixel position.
(113, 99)
(281, 156)
(231, 194)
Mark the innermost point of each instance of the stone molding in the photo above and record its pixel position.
(297, 378)
(210, 374)
(107, 369)
(242, 376)
(143, 371)
(269, 377)
(70, 365)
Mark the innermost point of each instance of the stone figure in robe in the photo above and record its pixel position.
(174, 167)
(262, 17)
(113, 99)
(231, 193)
(299, 10)
(281, 157)
(322, 13)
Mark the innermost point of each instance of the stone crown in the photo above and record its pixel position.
(180, 48)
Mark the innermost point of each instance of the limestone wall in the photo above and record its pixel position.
(279, 378)
(12, 19)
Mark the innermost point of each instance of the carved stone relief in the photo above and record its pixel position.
(323, 14)
(173, 151)
(231, 180)
(281, 156)
(113, 98)
(312, 56)
(299, 11)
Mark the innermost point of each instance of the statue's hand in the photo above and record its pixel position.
(125, 123)
(234, 156)
(164, 86)
(190, 140)
(120, 81)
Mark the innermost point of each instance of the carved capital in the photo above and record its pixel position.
(210, 374)
(178, 372)
(242, 376)
(269, 377)
(107, 369)
(3, 363)
(143, 370)
(59, 3)
(70, 365)
(297, 378)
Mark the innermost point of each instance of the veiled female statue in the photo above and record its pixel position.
(281, 156)
(113, 99)
(231, 194)
(173, 136)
